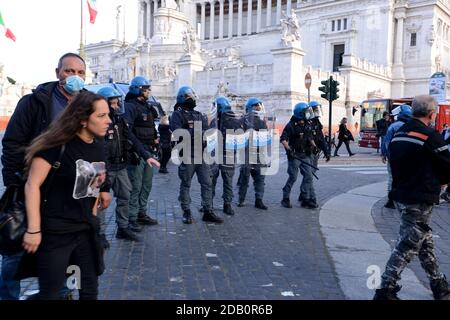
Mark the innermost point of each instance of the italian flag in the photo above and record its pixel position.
(92, 10)
(8, 32)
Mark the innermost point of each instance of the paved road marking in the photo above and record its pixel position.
(356, 246)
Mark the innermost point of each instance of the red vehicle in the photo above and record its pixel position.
(372, 111)
(443, 116)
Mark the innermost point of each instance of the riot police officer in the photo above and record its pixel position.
(318, 137)
(226, 121)
(141, 120)
(297, 139)
(253, 121)
(117, 147)
(184, 117)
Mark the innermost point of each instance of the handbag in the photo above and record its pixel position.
(13, 215)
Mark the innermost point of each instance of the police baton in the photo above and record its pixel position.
(295, 156)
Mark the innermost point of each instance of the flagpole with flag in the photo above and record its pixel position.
(92, 6)
(81, 32)
(8, 33)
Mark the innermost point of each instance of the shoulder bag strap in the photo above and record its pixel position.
(55, 167)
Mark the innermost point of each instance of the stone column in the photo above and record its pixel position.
(399, 40)
(398, 74)
(239, 30)
(249, 17)
(258, 16)
(278, 12)
(141, 21)
(149, 19)
(269, 13)
(211, 20)
(203, 21)
(230, 18)
(288, 7)
(221, 4)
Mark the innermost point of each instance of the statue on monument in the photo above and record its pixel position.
(171, 4)
(190, 45)
(290, 28)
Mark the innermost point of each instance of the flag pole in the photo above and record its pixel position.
(81, 32)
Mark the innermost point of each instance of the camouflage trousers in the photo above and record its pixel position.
(415, 239)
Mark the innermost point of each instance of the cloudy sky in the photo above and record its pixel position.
(46, 29)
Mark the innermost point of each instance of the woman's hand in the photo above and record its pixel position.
(31, 242)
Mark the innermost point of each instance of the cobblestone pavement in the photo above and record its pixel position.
(274, 254)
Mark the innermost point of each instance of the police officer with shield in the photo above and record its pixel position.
(184, 117)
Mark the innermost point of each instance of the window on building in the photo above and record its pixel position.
(333, 23)
(338, 54)
(413, 39)
(345, 24)
(339, 25)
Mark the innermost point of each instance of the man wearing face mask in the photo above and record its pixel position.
(140, 116)
(253, 121)
(297, 139)
(185, 117)
(420, 164)
(32, 115)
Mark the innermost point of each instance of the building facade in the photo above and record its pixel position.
(264, 48)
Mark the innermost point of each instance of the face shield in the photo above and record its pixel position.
(309, 113)
(317, 111)
(259, 110)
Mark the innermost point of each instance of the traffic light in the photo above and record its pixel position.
(334, 89)
(325, 89)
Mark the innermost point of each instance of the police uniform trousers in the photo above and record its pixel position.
(307, 187)
(186, 173)
(227, 172)
(258, 180)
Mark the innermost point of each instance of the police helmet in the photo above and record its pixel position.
(314, 104)
(185, 93)
(303, 111)
(109, 93)
(251, 103)
(137, 84)
(223, 105)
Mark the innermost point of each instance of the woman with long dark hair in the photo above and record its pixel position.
(62, 227)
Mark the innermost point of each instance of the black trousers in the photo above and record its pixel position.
(347, 145)
(56, 253)
(166, 153)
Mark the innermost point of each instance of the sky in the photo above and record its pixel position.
(46, 29)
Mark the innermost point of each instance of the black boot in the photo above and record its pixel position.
(187, 216)
(260, 205)
(440, 289)
(210, 216)
(134, 226)
(286, 203)
(387, 294)
(389, 204)
(145, 219)
(241, 203)
(301, 197)
(127, 234)
(228, 209)
(104, 242)
(309, 204)
(163, 170)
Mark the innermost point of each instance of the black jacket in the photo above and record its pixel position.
(299, 136)
(142, 131)
(165, 135)
(344, 133)
(382, 127)
(318, 137)
(420, 164)
(30, 118)
(117, 145)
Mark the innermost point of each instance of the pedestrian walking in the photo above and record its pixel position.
(420, 164)
(32, 115)
(402, 114)
(344, 137)
(64, 230)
